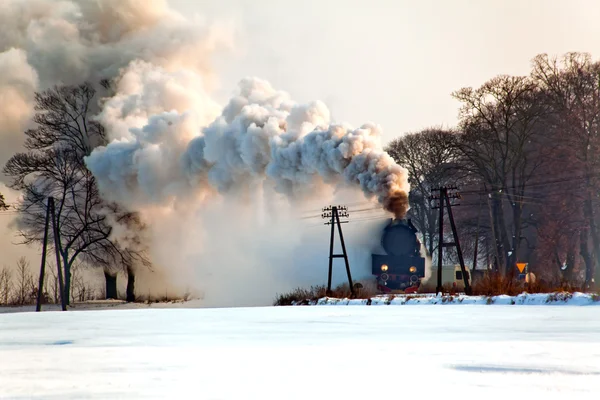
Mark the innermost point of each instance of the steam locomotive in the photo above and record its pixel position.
(402, 268)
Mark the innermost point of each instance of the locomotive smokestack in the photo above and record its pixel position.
(397, 204)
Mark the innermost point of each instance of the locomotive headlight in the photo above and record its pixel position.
(412, 270)
(384, 267)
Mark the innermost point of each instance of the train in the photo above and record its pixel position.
(402, 267)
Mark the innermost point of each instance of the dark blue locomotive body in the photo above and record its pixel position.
(402, 267)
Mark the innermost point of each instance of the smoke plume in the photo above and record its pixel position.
(66, 42)
(261, 135)
(221, 187)
(231, 184)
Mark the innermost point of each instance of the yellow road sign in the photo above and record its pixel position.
(521, 267)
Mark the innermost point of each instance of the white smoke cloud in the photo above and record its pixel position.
(18, 80)
(63, 42)
(260, 135)
(52, 42)
(224, 192)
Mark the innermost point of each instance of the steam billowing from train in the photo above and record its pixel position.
(260, 135)
(219, 186)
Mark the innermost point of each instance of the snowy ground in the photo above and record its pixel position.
(466, 351)
(104, 305)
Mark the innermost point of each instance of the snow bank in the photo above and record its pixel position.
(106, 305)
(564, 298)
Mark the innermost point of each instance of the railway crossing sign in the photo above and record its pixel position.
(521, 267)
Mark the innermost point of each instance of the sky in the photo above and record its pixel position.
(393, 62)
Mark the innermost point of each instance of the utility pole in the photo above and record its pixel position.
(475, 251)
(443, 201)
(488, 261)
(56, 235)
(494, 237)
(38, 306)
(438, 288)
(334, 213)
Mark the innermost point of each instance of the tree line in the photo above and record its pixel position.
(19, 285)
(525, 155)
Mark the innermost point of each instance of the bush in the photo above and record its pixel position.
(299, 295)
(494, 284)
(306, 296)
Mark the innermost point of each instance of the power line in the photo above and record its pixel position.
(363, 210)
(536, 184)
(359, 203)
(369, 219)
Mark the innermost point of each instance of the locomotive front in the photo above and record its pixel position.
(402, 268)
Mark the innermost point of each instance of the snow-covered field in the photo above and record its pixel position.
(466, 351)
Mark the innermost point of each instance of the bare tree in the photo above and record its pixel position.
(81, 289)
(572, 84)
(51, 284)
(5, 285)
(54, 166)
(3, 205)
(502, 125)
(430, 158)
(25, 290)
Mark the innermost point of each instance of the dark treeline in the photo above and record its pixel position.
(525, 157)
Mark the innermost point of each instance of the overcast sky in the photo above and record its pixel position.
(393, 62)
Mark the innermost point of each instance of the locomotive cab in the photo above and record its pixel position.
(402, 267)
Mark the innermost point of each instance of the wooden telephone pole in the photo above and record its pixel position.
(50, 213)
(38, 306)
(443, 201)
(335, 213)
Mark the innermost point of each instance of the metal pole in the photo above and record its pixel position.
(458, 249)
(337, 217)
(333, 212)
(440, 241)
(56, 251)
(38, 306)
